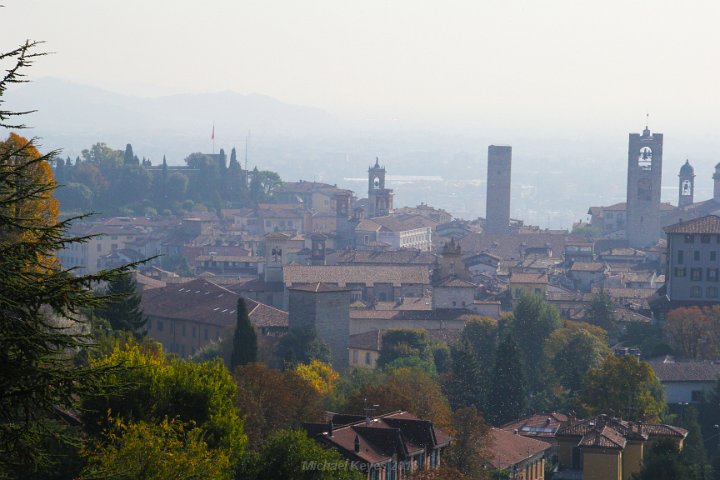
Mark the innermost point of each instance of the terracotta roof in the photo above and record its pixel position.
(381, 439)
(374, 257)
(540, 278)
(203, 301)
(454, 282)
(669, 370)
(507, 449)
(587, 267)
(359, 274)
(508, 246)
(319, 288)
(707, 224)
(366, 341)
(604, 437)
(537, 425)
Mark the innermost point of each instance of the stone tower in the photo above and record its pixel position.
(497, 213)
(716, 179)
(643, 188)
(380, 199)
(343, 230)
(687, 185)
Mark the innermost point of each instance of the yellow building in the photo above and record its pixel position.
(527, 284)
(364, 349)
(606, 448)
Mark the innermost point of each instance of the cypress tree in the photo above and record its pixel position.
(129, 157)
(244, 340)
(123, 312)
(466, 383)
(507, 393)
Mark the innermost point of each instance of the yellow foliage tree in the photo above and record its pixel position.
(320, 375)
(156, 451)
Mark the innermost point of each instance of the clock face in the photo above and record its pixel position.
(645, 158)
(376, 182)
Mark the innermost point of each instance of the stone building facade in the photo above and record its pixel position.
(326, 308)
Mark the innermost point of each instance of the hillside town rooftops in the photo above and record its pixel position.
(343, 275)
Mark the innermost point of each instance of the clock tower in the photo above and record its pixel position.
(644, 180)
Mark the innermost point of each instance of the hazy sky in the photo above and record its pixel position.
(554, 62)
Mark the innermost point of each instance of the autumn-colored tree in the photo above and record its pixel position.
(320, 375)
(407, 389)
(271, 400)
(38, 207)
(155, 451)
(471, 442)
(692, 333)
(626, 387)
(156, 387)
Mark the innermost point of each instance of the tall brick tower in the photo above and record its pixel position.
(643, 188)
(497, 213)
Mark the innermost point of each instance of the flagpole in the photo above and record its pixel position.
(213, 138)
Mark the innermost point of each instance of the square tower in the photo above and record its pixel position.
(497, 210)
(643, 188)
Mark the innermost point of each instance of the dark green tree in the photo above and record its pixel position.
(302, 345)
(465, 385)
(533, 320)
(123, 311)
(402, 343)
(662, 462)
(507, 398)
(693, 455)
(41, 329)
(245, 347)
(284, 455)
(129, 157)
(602, 311)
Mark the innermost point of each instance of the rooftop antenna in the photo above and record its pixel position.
(212, 137)
(369, 411)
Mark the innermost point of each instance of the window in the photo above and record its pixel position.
(704, 238)
(680, 257)
(367, 358)
(695, 292)
(696, 274)
(355, 357)
(366, 239)
(680, 272)
(159, 326)
(689, 238)
(696, 255)
(194, 332)
(712, 275)
(183, 329)
(711, 292)
(713, 255)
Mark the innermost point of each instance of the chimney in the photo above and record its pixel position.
(357, 444)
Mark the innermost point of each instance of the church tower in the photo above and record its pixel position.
(687, 185)
(716, 179)
(643, 188)
(380, 199)
(497, 205)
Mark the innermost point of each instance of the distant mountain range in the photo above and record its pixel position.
(73, 116)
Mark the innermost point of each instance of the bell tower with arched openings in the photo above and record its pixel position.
(643, 188)
(380, 199)
(687, 185)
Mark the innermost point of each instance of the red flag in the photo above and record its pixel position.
(212, 137)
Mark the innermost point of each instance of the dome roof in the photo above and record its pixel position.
(687, 170)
